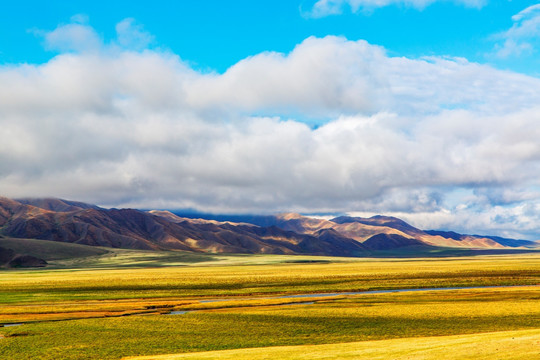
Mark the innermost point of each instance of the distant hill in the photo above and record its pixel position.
(50, 250)
(79, 223)
(500, 240)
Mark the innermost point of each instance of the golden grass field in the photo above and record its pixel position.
(113, 313)
(503, 345)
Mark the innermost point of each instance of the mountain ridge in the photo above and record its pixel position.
(135, 229)
(287, 233)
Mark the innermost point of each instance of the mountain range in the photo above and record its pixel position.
(289, 233)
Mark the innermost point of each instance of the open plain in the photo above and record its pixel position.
(272, 306)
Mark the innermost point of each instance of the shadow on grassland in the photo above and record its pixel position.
(441, 252)
(61, 255)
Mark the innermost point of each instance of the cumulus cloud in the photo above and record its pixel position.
(324, 8)
(355, 77)
(137, 127)
(524, 35)
(76, 36)
(132, 35)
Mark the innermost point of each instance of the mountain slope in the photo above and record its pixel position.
(391, 241)
(362, 229)
(129, 228)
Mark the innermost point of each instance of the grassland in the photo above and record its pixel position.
(111, 313)
(226, 278)
(514, 345)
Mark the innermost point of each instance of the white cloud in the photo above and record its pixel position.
(320, 76)
(526, 13)
(141, 128)
(78, 36)
(324, 8)
(356, 77)
(72, 37)
(523, 36)
(131, 35)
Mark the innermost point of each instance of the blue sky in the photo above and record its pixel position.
(217, 34)
(424, 109)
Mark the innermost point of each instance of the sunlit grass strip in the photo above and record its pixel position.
(509, 345)
(30, 318)
(54, 311)
(105, 305)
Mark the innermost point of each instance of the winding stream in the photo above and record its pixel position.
(321, 295)
(346, 293)
(367, 292)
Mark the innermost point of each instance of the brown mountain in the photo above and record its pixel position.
(129, 228)
(391, 241)
(432, 238)
(75, 222)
